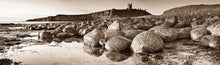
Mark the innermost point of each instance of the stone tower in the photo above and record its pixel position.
(129, 6)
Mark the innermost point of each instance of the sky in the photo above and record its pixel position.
(21, 10)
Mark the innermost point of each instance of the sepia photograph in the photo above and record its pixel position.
(109, 32)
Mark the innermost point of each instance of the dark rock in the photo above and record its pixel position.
(146, 42)
(64, 35)
(45, 35)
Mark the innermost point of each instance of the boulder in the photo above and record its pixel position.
(184, 33)
(115, 25)
(111, 33)
(94, 51)
(144, 25)
(132, 33)
(58, 30)
(45, 35)
(93, 37)
(147, 42)
(214, 29)
(84, 31)
(118, 43)
(197, 34)
(167, 34)
(170, 21)
(211, 41)
(64, 35)
(69, 29)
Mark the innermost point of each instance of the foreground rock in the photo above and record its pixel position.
(167, 34)
(118, 43)
(93, 37)
(197, 34)
(146, 42)
(211, 41)
(111, 33)
(214, 29)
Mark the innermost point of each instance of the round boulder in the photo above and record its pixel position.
(93, 37)
(197, 34)
(147, 41)
(167, 34)
(118, 43)
(214, 29)
(111, 33)
(115, 25)
(211, 41)
(45, 35)
(69, 29)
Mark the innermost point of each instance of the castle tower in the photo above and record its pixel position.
(129, 6)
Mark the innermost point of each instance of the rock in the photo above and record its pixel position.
(211, 41)
(115, 25)
(58, 30)
(132, 33)
(64, 35)
(170, 21)
(182, 24)
(94, 51)
(167, 34)
(45, 35)
(118, 43)
(214, 29)
(111, 33)
(69, 29)
(93, 38)
(147, 41)
(184, 33)
(119, 56)
(83, 32)
(197, 34)
(144, 25)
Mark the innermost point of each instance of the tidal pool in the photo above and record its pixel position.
(68, 52)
